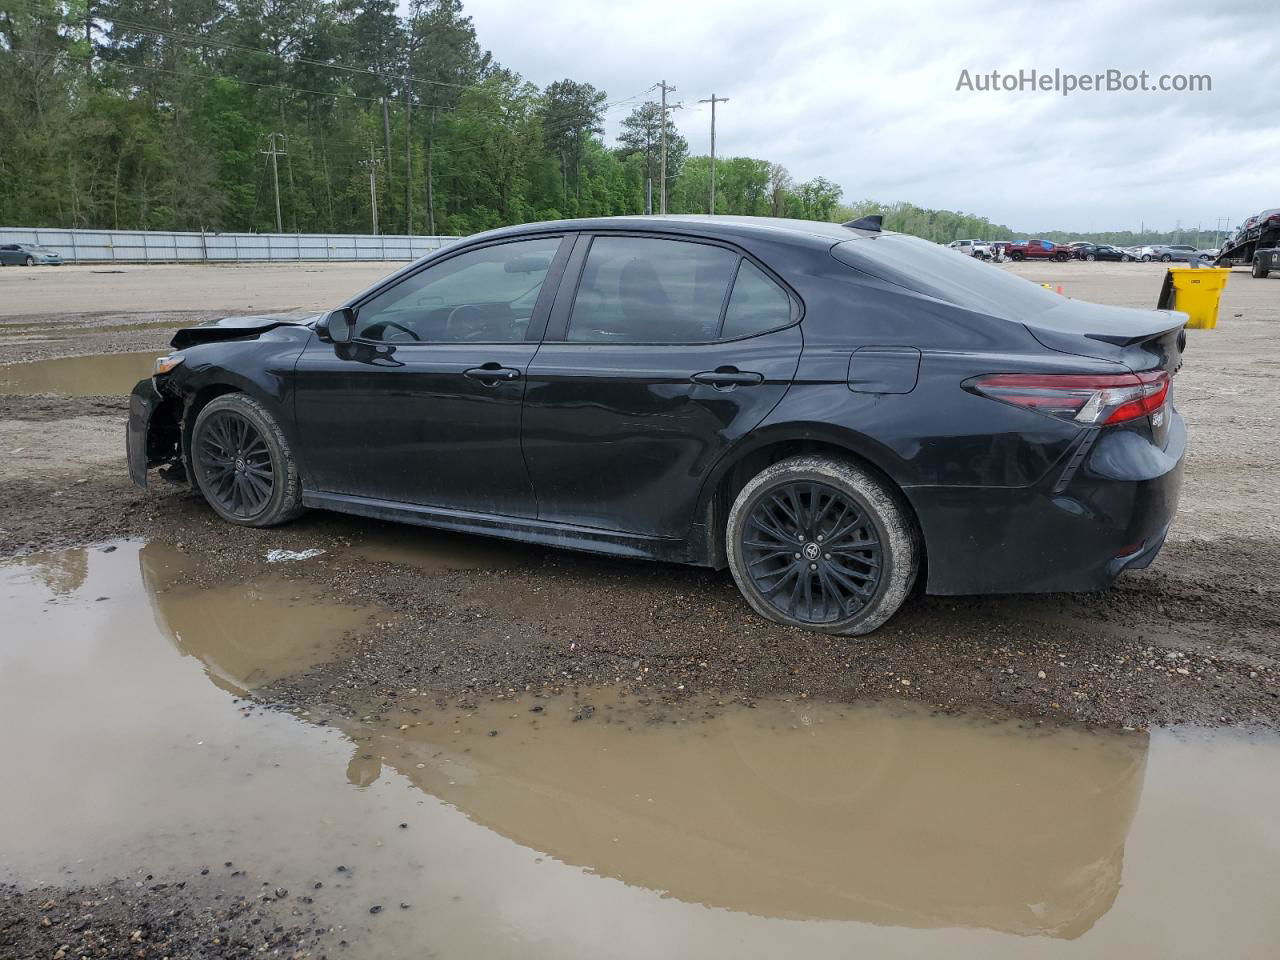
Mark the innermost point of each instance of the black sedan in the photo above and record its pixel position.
(829, 411)
(1100, 251)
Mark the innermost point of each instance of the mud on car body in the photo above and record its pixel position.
(829, 411)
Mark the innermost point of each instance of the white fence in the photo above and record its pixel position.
(156, 246)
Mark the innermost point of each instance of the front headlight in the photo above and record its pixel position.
(166, 364)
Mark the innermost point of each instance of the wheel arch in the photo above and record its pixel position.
(198, 395)
(779, 442)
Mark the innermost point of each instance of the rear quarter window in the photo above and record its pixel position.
(928, 269)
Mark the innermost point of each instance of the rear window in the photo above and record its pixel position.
(929, 269)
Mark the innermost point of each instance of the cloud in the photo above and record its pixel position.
(865, 95)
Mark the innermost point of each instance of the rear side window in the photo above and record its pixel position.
(650, 290)
(757, 304)
(929, 269)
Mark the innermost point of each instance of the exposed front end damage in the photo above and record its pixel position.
(154, 433)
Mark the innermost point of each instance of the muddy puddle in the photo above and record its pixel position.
(595, 824)
(111, 374)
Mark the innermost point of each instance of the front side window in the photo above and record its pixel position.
(483, 296)
(651, 290)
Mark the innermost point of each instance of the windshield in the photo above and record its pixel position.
(929, 269)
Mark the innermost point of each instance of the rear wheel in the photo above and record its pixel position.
(1017, 256)
(1125, 258)
(1091, 257)
(1146, 258)
(1259, 270)
(1166, 259)
(242, 463)
(818, 543)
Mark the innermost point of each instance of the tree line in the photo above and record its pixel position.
(204, 114)
(198, 114)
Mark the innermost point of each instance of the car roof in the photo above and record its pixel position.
(801, 232)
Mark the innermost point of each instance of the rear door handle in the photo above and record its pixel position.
(726, 378)
(492, 373)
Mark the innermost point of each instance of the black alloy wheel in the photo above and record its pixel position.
(812, 553)
(236, 464)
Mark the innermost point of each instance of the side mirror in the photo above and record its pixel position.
(337, 326)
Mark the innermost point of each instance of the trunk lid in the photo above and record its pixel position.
(1139, 339)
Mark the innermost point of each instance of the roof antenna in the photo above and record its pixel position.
(871, 223)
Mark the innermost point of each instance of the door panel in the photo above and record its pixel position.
(393, 416)
(621, 436)
(406, 423)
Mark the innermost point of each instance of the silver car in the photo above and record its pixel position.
(28, 255)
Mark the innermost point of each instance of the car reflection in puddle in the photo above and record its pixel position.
(798, 810)
(532, 827)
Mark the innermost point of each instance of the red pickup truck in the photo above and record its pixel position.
(1038, 250)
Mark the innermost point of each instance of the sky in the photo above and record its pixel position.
(866, 95)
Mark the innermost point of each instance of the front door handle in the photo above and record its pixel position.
(726, 378)
(492, 374)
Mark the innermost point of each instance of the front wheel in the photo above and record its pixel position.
(1166, 259)
(30, 261)
(819, 543)
(1126, 258)
(242, 463)
(1091, 257)
(1146, 258)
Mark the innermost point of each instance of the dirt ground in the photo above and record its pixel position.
(1194, 638)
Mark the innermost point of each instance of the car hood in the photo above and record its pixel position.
(235, 328)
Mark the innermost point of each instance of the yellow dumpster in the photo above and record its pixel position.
(1195, 291)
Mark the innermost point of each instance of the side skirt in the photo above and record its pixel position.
(546, 533)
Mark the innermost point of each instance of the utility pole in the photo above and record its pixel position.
(713, 100)
(408, 154)
(373, 187)
(386, 139)
(272, 152)
(662, 164)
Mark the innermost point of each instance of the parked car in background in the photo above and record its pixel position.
(641, 387)
(1038, 250)
(1167, 253)
(972, 248)
(28, 255)
(1101, 251)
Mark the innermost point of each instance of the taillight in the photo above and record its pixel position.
(1091, 399)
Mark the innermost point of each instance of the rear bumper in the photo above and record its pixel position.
(1078, 530)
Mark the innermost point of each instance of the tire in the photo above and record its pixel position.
(1061, 258)
(30, 261)
(858, 588)
(1260, 272)
(1146, 258)
(1165, 258)
(1017, 256)
(1091, 257)
(236, 448)
(1125, 258)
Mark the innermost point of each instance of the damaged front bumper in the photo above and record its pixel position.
(153, 434)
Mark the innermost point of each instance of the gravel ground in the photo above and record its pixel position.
(218, 913)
